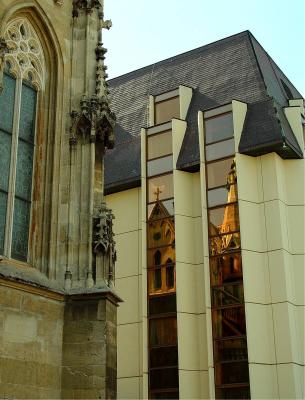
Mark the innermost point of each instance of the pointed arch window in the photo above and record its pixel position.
(23, 80)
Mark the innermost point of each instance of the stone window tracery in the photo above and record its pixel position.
(25, 58)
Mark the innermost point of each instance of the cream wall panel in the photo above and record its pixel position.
(128, 388)
(256, 277)
(185, 240)
(252, 226)
(280, 276)
(206, 285)
(290, 381)
(293, 115)
(263, 381)
(128, 290)
(276, 225)
(183, 193)
(128, 338)
(295, 181)
(239, 110)
(296, 229)
(185, 97)
(273, 177)
(188, 339)
(299, 313)
(260, 335)
(196, 195)
(249, 178)
(128, 249)
(178, 128)
(125, 206)
(298, 278)
(287, 346)
(189, 279)
(189, 384)
(204, 380)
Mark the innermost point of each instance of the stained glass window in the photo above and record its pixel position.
(16, 180)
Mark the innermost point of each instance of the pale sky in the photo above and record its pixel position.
(147, 31)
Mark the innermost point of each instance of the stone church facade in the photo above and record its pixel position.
(57, 298)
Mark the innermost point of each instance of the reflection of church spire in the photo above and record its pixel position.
(231, 216)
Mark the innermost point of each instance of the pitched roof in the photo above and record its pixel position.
(236, 67)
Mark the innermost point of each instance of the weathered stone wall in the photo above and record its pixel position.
(31, 329)
(89, 350)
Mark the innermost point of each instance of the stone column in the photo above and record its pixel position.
(89, 347)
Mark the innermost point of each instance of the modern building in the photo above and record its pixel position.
(207, 184)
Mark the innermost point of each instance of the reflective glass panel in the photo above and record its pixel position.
(233, 393)
(217, 172)
(233, 372)
(220, 150)
(224, 219)
(170, 276)
(21, 222)
(158, 280)
(163, 356)
(227, 295)
(3, 205)
(162, 304)
(229, 321)
(230, 349)
(164, 378)
(166, 253)
(27, 113)
(160, 188)
(218, 128)
(166, 110)
(159, 166)
(161, 232)
(164, 395)
(160, 209)
(163, 331)
(7, 100)
(159, 145)
(224, 243)
(218, 196)
(226, 269)
(24, 170)
(5, 159)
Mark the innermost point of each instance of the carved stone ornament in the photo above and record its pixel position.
(87, 5)
(95, 120)
(103, 236)
(25, 58)
(59, 2)
(3, 51)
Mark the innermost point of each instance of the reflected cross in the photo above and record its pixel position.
(157, 193)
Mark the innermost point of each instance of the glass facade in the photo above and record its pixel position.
(226, 277)
(166, 110)
(21, 190)
(161, 271)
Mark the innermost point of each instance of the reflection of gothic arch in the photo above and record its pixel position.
(48, 60)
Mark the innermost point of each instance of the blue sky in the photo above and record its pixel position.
(146, 31)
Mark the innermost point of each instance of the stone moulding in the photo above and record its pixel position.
(4, 49)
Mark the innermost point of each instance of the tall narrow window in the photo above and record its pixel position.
(227, 295)
(162, 313)
(23, 79)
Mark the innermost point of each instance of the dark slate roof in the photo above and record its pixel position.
(236, 67)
